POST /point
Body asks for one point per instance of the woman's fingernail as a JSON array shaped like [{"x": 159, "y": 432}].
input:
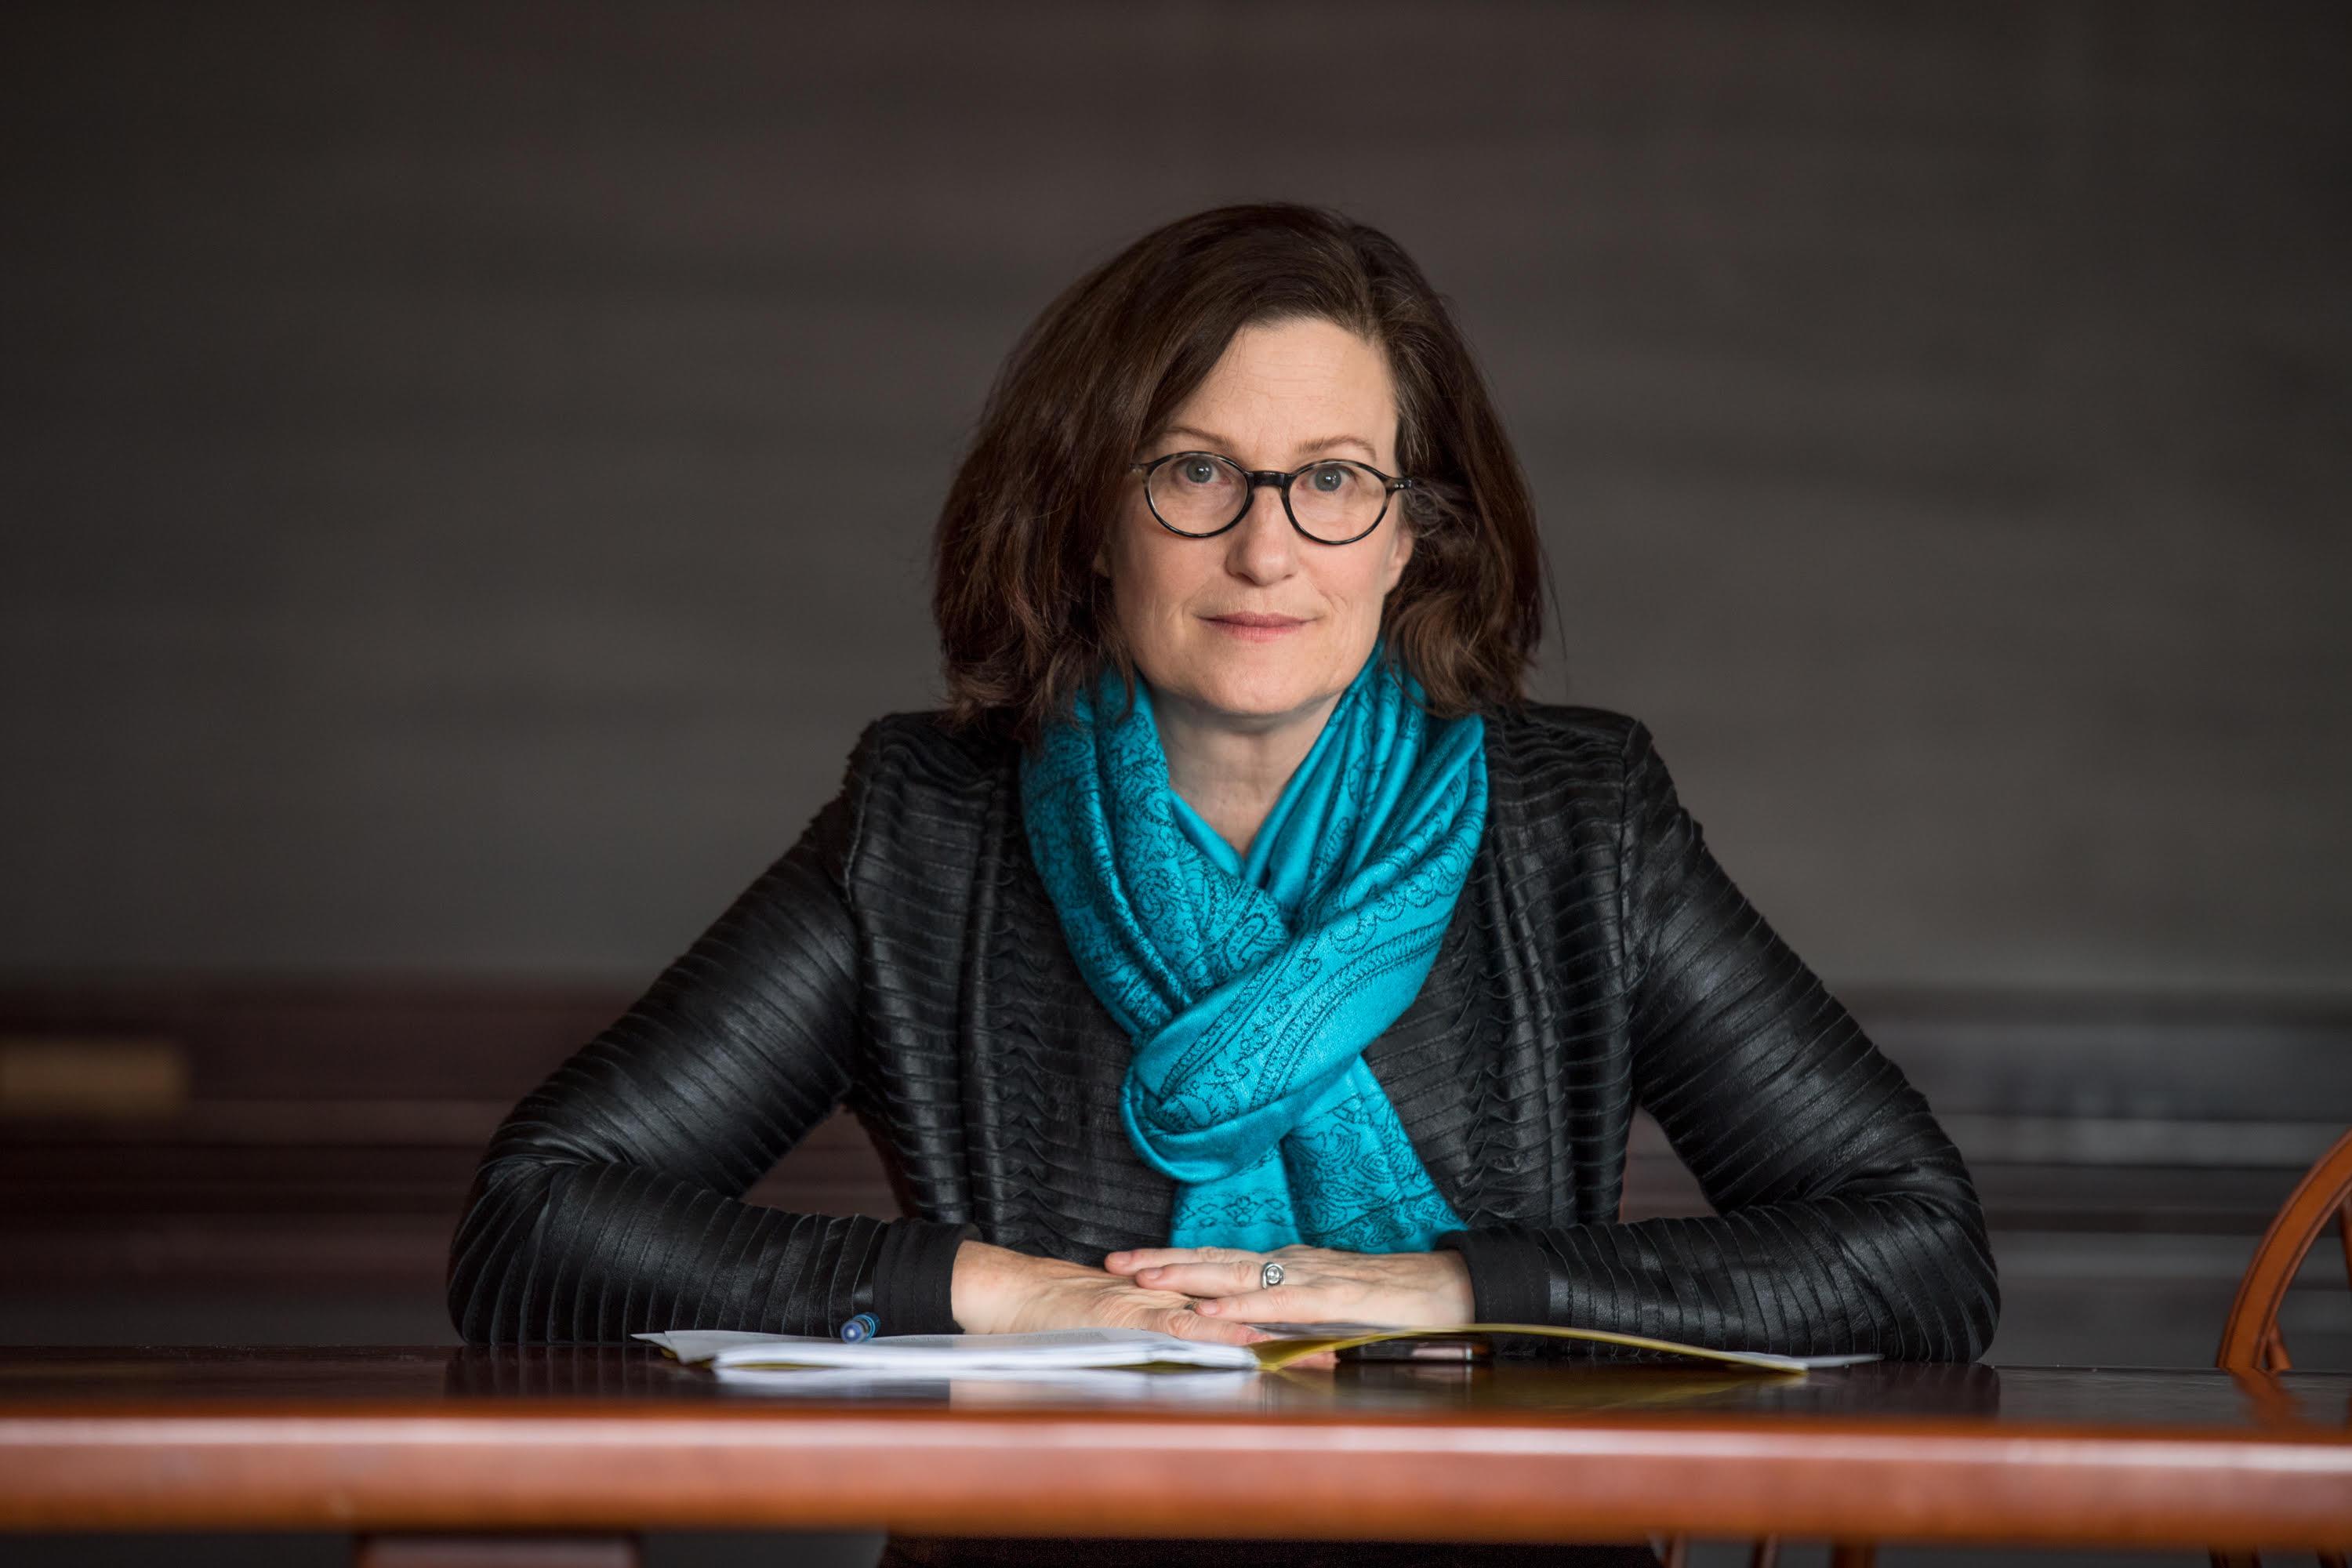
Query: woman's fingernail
[{"x": 1209, "y": 1307}]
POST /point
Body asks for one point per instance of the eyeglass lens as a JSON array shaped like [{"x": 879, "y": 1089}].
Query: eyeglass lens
[{"x": 1199, "y": 493}]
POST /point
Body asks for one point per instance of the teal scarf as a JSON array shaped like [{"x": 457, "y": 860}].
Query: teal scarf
[{"x": 1251, "y": 985}]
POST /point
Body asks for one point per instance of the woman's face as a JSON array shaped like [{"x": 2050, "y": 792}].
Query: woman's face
[{"x": 1282, "y": 395}]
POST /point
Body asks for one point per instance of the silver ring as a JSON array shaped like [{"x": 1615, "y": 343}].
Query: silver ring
[{"x": 1269, "y": 1275}]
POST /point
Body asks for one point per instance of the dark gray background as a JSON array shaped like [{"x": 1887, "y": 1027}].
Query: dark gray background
[
  {"x": 466, "y": 473},
  {"x": 465, "y": 476}
]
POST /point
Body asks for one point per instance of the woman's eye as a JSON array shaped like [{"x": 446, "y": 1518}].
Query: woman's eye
[
  {"x": 1198, "y": 470},
  {"x": 1329, "y": 480}
]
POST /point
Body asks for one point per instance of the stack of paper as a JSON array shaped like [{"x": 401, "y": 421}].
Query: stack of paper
[
  {"x": 955, "y": 1355},
  {"x": 1065, "y": 1350}
]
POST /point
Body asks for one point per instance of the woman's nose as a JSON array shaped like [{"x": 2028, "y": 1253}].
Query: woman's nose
[{"x": 1265, "y": 545}]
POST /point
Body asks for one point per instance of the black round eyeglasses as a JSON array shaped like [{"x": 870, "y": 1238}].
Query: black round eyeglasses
[{"x": 1201, "y": 494}]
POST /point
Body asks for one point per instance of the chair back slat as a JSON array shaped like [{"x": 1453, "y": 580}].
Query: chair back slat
[{"x": 2251, "y": 1339}]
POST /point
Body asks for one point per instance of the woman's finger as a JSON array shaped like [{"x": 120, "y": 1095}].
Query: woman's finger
[
  {"x": 1139, "y": 1259},
  {"x": 1142, "y": 1258},
  {"x": 1188, "y": 1325},
  {"x": 1201, "y": 1279},
  {"x": 1282, "y": 1304}
]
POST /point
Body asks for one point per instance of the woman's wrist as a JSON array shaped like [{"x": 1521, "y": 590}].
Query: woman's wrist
[
  {"x": 991, "y": 1284},
  {"x": 1460, "y": 1299},
  {"x": 974, "y": 1289}
]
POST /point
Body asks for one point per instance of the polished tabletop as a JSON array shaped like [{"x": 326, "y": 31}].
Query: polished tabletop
[{"x": 623, "y": 1437}]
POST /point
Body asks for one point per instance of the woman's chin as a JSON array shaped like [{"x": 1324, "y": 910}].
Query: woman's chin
[
  {"x": 1255, "y": 682},
  {"x": 1258, "y": 699}
]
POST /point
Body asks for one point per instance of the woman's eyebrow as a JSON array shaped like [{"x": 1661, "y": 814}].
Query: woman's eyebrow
[{"x": 1322, "y": 444}]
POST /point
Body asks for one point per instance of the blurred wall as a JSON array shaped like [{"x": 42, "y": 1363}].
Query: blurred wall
[{"x": 466, "y": 472}]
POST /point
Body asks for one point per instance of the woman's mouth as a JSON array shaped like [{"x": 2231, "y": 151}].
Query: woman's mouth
[{"x": 1251, "y": 625}]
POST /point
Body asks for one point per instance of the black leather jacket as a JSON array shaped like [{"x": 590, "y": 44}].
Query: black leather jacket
[{"x": 904, "y": 958}]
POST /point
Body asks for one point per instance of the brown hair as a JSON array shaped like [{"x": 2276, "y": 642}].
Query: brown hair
[{"x": 1025, "y": 620}]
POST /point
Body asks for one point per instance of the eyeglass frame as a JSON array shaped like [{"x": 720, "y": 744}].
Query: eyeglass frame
[{"x": 1282, "y": 482}]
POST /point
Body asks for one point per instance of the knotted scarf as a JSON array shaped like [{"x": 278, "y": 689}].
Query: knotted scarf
[{"x": 1250, "y": 985}]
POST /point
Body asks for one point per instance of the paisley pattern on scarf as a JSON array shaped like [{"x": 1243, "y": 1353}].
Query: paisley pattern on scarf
[{"x": 1251, "y": 985}]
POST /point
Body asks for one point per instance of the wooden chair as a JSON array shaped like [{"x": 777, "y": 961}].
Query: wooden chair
[{"x": 2251, "y": 1339}]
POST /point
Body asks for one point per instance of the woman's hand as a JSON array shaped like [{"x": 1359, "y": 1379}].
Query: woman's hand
[
  {"x": 996, "y": 1290},
  {"x": 1409, "y": 1289}
]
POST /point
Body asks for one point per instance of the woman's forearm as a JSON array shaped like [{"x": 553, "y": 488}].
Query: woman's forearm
[
  {"x": 572, "y": 1252},
  {"x": 1896, "y": 1275}
]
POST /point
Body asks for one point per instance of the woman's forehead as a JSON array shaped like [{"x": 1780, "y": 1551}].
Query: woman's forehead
[
  {"x": 1344, "y": 444},
  {"x": 1296, "y": 389}
]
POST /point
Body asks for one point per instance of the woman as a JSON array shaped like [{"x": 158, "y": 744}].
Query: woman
[{"x": 1239, "y": 910}]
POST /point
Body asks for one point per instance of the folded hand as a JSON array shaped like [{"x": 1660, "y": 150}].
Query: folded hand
[
  {"x": 996, "y": 1290},
  {"x": 1409, "y": 1289}
]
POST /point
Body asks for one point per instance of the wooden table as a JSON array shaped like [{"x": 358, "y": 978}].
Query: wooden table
[{"x": 397, "y": 1445}]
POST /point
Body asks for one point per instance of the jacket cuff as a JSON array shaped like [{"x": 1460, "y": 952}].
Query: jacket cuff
[
  {"x": 914, "y": 1275},
  {"x": 1509, "y": 1281}
]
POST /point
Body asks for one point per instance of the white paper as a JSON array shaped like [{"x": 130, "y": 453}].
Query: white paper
[
  {"x": 1015, "y": 1355},
  {"x": 999, "y": 1385},
  {"x": 953, "y": 1356}
]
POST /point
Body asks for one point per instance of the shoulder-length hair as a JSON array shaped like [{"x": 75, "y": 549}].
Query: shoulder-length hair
[{"x": 1025, "y": 620}]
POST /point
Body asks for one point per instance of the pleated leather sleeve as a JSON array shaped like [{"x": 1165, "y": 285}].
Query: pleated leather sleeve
[
  {"x": 1845, "y": 1220},
  {"x": 609, "y": 1201}
]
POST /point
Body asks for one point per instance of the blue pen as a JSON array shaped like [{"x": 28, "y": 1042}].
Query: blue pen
[{"x": 864, "y": 1326}]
